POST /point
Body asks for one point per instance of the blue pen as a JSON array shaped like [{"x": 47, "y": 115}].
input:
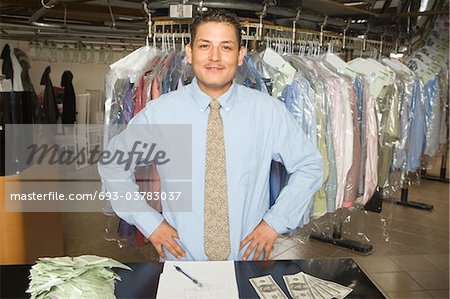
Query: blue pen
[{"x": 188, "y": 276}]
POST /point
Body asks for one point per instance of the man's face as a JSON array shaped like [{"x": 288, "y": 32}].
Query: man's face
[{"x": 215, "y": 55}]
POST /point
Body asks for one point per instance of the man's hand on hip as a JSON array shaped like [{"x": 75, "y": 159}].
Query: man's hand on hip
[
  {"x": 164, "y": 236},
  {"x": 261, "y": 238}
]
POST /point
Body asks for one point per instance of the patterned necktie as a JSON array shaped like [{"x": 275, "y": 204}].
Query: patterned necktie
[{"x": 217, "y": 232}]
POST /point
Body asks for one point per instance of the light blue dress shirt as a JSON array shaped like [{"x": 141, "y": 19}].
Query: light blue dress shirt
[
  {"x": 257, "y": 129},
  {"x": 417, "y": 128}
]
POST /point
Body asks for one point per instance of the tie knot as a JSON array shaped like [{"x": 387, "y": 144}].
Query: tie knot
[{"x": 215, "y": 105}]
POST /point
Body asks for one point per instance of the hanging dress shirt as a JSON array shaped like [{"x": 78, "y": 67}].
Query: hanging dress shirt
[
  {"x": 417, "y": 128},
  {"x": 432, "y": 115}
]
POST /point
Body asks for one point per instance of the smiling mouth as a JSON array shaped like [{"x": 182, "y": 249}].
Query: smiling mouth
[{"x": 214, "y": 68}]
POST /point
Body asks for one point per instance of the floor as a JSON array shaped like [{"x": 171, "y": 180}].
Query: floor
[{"x": 410, "y": 257}]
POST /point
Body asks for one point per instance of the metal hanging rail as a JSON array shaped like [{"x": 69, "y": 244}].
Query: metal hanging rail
[{"x": 181, "y": 28}]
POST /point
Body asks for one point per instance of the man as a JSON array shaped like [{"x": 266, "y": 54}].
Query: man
[{"x": 252, "y": 129}]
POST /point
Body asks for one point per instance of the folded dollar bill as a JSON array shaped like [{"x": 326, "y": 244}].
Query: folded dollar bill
[
  {"x": 305, "y": 286},
  {"x": 86, "y": 276},
  {"x": 267, "y": 288}
]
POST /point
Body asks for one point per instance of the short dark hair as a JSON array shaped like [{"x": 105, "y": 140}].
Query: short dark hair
[{"x": 216, "y": 15}]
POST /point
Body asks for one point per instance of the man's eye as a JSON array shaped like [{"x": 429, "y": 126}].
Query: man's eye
[
  {"x": 227, "y": 48},
  {"x": 203, "y": 46}
]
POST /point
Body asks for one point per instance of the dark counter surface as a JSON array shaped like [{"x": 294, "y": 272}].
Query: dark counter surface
[{"x": 142, "y": 282}]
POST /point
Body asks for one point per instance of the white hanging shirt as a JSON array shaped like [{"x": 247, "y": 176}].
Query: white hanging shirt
[{"x": 17, "y": 70}]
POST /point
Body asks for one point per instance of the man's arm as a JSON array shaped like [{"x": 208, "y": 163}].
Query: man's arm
[
  {"x": 119, "y": 181},
  {"x": 304, "y": 164}
]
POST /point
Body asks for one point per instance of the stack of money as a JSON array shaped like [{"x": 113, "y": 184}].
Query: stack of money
[
  {"x": 86, "y": 276},
  {"x": 302, "y": 285}
]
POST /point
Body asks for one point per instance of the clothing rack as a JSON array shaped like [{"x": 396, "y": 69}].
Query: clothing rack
[
  {"x": 442, "y": 175},
  {"x": 373, "y": 205},
  {"x": 409, "y": 203},
  {"x": 255, "y": 33}
]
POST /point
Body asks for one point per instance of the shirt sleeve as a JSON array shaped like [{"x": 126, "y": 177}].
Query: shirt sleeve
[
  {"x": 303, "y": 162},
  {"x": 117, "y": 173}
]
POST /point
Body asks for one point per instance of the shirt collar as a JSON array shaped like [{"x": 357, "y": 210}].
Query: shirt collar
[{"x": 202, "y": 99}]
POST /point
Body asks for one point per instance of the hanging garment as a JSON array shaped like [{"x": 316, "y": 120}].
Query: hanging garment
[
  {"x": 125, "y": 70},
  {"x": 298, "y": 98},
  {"x": 342, "y": 129},
  {"x": 128, "y": 104},
  {"x": 361, "y": 103},
  {"x": 432, "y": 116},
  {"x": 50, "y": 108},
  {"x": 11, "y": 67},
  {"x": 272, "y": 78},
  {"x": 178, "y": 68},
  {"x": 282, "y": 67},
  {"x": 114, "y": 112},
  {"x": 25, "y": 66},
  {"x": 388, "y": 108},
  {"x": 17, "y": 70},
  {"x": 371, "y": 161},
  {"x": 352, "y": 183},
  {"x": 27, "y": 85},
  {"x": 142, "y": 92},
  {"x": 444, "y": 88},
  {"x": 69, "y": 100},
  {"x": 7, "y": 67},
  {"x": 320, "y": 198},
  {"x": 249, "y": 76},
  {"x": 406, "y": 81},
  {"x": 325, "y": 198},
  {"x": 331, "y": 183},
  {"x": 417, "y": 129}
]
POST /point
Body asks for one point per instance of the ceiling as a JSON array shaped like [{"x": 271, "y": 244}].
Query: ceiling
[{"x": 125, "y": 20}]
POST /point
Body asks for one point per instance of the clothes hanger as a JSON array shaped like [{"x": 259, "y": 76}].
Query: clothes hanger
[{"x": 174, "y": 42}]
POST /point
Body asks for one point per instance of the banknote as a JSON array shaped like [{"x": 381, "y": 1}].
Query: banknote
[
  {"x": 305, "y": 286},
  {"x": 267, "y": 288},
  {"x": 339, "y": 291},
  {"x": 324, "y": 290},
  {"x": 317, "y": 292},
  {"x": 298, "y": 286}
]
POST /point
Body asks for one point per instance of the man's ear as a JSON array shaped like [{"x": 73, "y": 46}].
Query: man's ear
[
  {"x": 242, "y": 52},
  {"x": 188, "y": 50}
]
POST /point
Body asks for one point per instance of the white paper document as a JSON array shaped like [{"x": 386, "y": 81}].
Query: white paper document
[{"x": 214, "y": 280}]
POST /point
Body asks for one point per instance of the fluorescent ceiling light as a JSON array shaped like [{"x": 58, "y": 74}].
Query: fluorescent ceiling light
[
  {"x": 126, "y": 18},
  {"x": 396, "y": 55},
  {"x": 423, "y": 5},
  {"x": 354, "y": 3}
]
